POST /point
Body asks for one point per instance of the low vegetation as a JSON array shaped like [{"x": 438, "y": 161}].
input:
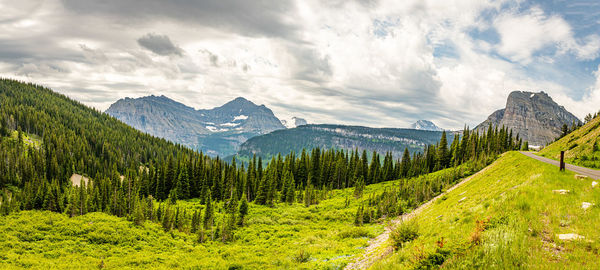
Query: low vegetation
[
  {"x": 507, "y": 217},
  {"x": 582, "y": 146}
]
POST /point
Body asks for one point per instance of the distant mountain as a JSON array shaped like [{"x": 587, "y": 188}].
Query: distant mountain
[
  {"x": 326, "y": 137},
  {"x": 425, "y": 125},
  {"x": 217, "y": 131},
  {"x": 534, "y": 116},
  {"x": 293, "y": 122}
]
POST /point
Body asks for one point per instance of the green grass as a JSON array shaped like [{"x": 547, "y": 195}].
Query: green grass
[
  {"x": 321, "y": 236},
  {"x": 582, "y": 146},
  {"x": 522, "y": 217},
  {"x": 273, "y": 238}
]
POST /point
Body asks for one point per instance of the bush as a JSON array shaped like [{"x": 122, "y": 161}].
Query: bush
[
  {"x": 403, "y": 233},
  {"x": 301, "y": 256},
  {"x": 354, "y": 233},
  {"x": 434, "y": 259}
]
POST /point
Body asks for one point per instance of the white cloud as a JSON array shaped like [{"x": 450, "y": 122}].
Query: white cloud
[{"x": 523, "y": 34}]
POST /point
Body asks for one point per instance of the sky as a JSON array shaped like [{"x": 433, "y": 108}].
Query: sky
[{"x": 376, "y": 63}]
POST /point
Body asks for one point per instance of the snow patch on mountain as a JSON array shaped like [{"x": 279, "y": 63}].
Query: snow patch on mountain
[
  {"x": 240, "y": 117},
  {"x": 230, "y": 124},
  {"x": 293, "y": 122},
  {"x": 425, "y": 125}
]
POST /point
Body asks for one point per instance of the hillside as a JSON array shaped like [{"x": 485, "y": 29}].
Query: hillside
[
  {"x": 507, "y": 218},
  {"x": 308, "y": 137},
  {"x": 216, "y": 132},
  {"x": 582, "y": 146},
  {"x": 534, "y": 116}
]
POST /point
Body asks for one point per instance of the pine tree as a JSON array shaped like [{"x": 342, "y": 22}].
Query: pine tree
[
  {"x": 183, "y": 185},
  {"x": 405, "y": 164},
  {"x": 263, "y": 188},
  {"x": 138, "y": 216},
  {"x": 207, "y": 221},
  {"x": 291, "y": 189},
  {"x": 442, "y": 153},
  {"x": 243, "y": 210},
  {"x": 359, "y": 187},
  {"x": 3, "y": 128}
]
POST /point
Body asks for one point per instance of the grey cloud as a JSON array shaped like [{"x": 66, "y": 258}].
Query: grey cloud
[
  {"x": 93, "y": 55},
  {"x": 159, "y": 44},
  {"x": 310, "y": 66},
  {"x": 248, "y": 18}
]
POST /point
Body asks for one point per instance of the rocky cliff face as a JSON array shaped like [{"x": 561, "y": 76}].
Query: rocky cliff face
[
  {"x": 534, "y": 116},
  {"x": 217, "y": 131}
]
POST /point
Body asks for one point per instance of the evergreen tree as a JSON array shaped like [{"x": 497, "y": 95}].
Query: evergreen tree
[
  {"x": 183, "y": 185},
  {"x": 243, "y": 210},
  {"x": 208, "y": 220},
  {"x": 405, "y": 164},
  {"x": 442, "y": 153}
]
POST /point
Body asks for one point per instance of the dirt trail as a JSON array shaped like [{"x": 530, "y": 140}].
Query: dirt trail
[{"x": 378, "y": 248}]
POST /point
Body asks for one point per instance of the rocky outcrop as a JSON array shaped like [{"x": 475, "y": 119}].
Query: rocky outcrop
[{"x": 534, "y": 116}]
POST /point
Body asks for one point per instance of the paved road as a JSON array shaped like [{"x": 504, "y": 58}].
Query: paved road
[{"x": 595, "y": 174}]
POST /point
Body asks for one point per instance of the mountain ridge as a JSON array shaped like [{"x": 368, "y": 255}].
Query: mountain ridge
[{"x": 328, "y": 136}]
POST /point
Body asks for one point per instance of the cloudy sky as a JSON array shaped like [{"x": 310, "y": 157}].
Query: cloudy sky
[{"x": 367, "y": 62}]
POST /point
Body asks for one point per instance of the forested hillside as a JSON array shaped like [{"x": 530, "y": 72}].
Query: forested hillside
[{"x": 383, "y": 140}]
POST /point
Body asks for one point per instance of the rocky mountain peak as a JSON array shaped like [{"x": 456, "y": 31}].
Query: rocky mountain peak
[
  {"x": 534, "y": 116},
  {"x": 425, "y": 125}
]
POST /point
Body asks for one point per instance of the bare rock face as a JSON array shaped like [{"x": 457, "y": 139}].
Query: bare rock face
[{"x": 534, "y": 116}]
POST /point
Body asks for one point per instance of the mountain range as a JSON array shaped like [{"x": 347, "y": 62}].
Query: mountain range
[
  {"x": 217, "y": 131},
  {"x": 534, "y": 116},
  {"x": 243, "y": 128}
]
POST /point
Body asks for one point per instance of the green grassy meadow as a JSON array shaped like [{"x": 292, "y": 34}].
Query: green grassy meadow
[{"x": 507, "y": 217}]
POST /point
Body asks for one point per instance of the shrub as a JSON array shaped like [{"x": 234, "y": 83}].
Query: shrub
[
  {"x": 434, "y": 259},
  {"x": 403, "y": 233},
  {"x": 480, "y": 226},
  {"x": 301, "y": 256},
  {"x": 354, "y": 233}
]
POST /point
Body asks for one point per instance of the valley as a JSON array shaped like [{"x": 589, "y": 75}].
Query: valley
[{"x": 300, "y": 134}]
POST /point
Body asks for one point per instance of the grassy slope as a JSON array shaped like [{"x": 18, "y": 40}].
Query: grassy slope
[
  {"x": 516, "y": 194},
  {"x": 578, "y": 146},
  {"x": 272, "y": 239}
]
